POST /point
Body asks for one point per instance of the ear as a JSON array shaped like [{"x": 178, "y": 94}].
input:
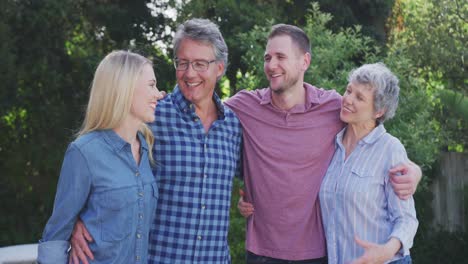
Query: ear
[
  {"x": 380, "y": 113},
  {"x": 306, "y": 61},
  {"x": 219, "y": 70}
]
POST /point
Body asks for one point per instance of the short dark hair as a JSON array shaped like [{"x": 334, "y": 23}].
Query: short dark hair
[{"x": 298, "y": 36}]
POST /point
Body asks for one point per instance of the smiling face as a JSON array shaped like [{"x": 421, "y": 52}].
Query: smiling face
[
  {"x": 284, "y": 65},
  {"x": 358, "y": 105},
  {"x": 198, "y": 87},
  {"x": 145, "y": 96}
]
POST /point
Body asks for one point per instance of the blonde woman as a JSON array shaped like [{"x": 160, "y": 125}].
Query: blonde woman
[{"x": 106, "y": 178}]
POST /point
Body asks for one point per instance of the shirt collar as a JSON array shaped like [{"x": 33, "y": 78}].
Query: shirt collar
[
  {"x": 119, "y": 143},
  {"x": 374, "y": 135},
  {"x": 186, "y": 106},
  {"x": 312, "y": 98},
  {"x": 371, "y": 138}
]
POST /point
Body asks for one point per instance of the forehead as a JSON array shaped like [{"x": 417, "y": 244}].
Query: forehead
[
  {"x": 282, "y": 44},
  {"x": 195, "y": 50},
  {"x": 147, "y": 72},
  {"x": 364, "y": 88}
]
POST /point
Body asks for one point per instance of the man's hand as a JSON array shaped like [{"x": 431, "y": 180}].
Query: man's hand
[
  {"x": 79, "y": 244},
  {"x": 376, "y": 253},
  {"x": 246, "y": 209},
  {"x": 405, "y": 179}
]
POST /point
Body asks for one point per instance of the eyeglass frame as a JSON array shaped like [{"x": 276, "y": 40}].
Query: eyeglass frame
[{"x": 191, "y": 63}]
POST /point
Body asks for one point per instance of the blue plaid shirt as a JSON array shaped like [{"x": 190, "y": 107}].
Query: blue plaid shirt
[{"x": 194, "y": 173}]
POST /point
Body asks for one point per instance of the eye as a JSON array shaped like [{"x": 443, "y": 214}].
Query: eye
[
  {"x": 182, "y": 64},
  {"x": 153, "y": 86},
  {"x": 199, "y": 64},
  {"x": 267, "y": 58}
]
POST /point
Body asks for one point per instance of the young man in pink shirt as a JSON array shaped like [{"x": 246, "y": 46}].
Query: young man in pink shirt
[{"x": 289, "y": 132}]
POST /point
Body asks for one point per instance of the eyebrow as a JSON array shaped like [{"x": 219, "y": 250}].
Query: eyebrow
[
  {"x": 274, "y": 54},
  {"x": 363, "y": 95},
  {"x": 185, "y": 60}
]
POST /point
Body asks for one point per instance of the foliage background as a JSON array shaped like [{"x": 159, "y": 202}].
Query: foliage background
[{"x": 49, "y": 50}]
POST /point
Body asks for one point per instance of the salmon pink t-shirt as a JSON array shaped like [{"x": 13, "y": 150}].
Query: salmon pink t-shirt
[{"x": 285, "y": 156}]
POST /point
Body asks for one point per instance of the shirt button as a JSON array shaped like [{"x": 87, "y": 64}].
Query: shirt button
[
  {"x": 137, "y": 174},
  {"x": 199, "y": 237},
  {"x": 140, "y": 215},
  {"x": 203, "y": 207},
  {"x": 195, "y": 119},
  {"x": 138, "y": 235},
  {"x": 205, "y": 176},
  {"x": 137, "y": 257},
  {"x": 140, "y": 194}
]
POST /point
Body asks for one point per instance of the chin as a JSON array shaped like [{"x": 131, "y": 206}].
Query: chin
[
  {"x": 277, "y": 89},
  {"x": 149, "y": 119},
  {"x": 344, "y": 118}
]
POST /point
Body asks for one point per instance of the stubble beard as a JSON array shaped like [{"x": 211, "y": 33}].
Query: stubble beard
[{"x": 285, "y": 86}]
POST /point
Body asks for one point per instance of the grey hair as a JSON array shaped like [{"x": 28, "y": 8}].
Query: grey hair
[
  {"x": 202, "y": 30},
  {"x": 384, "y": 84}
]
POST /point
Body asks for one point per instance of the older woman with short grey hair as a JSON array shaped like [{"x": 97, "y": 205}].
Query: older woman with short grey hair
[
  {"x": 364, "y": 220},
  {"x": 385, "y": 85}
]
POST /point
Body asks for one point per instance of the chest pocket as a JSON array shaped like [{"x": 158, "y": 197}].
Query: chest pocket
[
  {"x": 116, "y": 211},
  {"x": 364, "y": 181}
]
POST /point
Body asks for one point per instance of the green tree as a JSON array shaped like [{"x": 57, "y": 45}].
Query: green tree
[
  {"x": 334, "y": 54},
  {"x": 241, "y": 16},
  {"x": 432, "y": 34},
  {"x": 49, "y": 51}
]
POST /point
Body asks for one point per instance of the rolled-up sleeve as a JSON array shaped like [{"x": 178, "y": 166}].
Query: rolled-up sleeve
[
  {"x": 51, "y": 252},
  {"x": 402, "y": 213},
  {"x": 72, "y": 193}
]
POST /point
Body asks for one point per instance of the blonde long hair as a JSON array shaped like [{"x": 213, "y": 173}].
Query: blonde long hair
[{"x": 111, "y": 94}]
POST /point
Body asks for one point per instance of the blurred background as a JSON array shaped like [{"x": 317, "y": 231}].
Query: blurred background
[{"x": 49, "y": 50}]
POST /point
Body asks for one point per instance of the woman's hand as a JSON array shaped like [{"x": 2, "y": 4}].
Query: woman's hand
[
  {"x": 79, "y": 244},
  {"x": 377, "y": 253},
  {"x": 246, "y": 209}
]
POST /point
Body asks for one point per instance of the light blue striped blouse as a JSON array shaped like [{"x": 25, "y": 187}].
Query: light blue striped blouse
[{"x": 357, "y": 199}]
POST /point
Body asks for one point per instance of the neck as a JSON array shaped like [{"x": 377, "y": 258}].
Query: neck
[
  {"x": 207, "y": 113},
  {"x": 206, "y": 108},
  {"x": 287, "y": 99},
  {"x": 355, "y": 132},
  {"x": 128, "y": 130}
]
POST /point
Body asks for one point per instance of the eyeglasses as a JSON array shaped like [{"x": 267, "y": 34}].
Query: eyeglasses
[{"x": 197, "y": 65}]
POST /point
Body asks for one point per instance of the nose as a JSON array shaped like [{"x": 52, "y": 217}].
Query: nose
[
  {"x": 158, "y": 94},
  {"x": 347, "y": 99}
]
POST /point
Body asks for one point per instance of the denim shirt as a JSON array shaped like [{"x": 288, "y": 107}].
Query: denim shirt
[{"x": 101, "y": 183}]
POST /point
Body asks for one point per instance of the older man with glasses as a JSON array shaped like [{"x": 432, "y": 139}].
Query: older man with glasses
[{"x": 197, "y": 150}]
